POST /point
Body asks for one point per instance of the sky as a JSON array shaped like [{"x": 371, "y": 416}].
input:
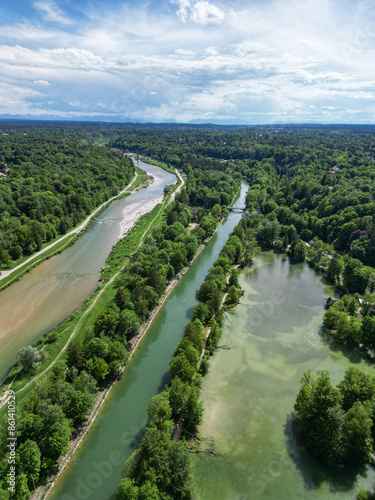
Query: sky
[{"x": 210, "y": 61}]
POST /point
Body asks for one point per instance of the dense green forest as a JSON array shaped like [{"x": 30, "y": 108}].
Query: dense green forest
[
  {"x": 318, "y": 179},
  {"x": 311, "y": 195},
  {"x": 52, "y": 178},
  {"x": 63, "y": 399}
]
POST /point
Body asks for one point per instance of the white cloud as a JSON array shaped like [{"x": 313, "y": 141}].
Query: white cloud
[
  {"x": 15, "y": 99},
  {"x": 51, "y": 12},
  {"x": 199, "y": 11},
  {"x": 42, "y": 82},
  {"x": 183, "y": 52},
  {"x": 280, "y": 58}
]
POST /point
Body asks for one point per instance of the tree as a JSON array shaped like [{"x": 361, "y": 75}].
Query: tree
[
  {"x": 127, "y": 490},
  {"x": 187, "y": 348},
  {"x": 29, "y": 461},
  {"x": 216, "y": 210},
  {"x": 368, "y": 331},
  {"x": 149, "y": 491},
  {"x": 193, "y": 410},
  {"x": 356, "y": 276},
  {"x": 356, "y": 386},
  {"x": 30, "y": 358},
  {"x": 128, "y": 325},
  {"x": 343, "y": 326},
  {"x": 233, "y": 296},
  {"x": 178, "y": 259},
  {"x": 365, "y": 495},
  {"x": 178, "y": 394},
  {"x": 107, "y": 321},
  {"x": 159, "y": 410},
  {"x": 203, "y": 294},
  {"x": 368, "y": 304},
  {"x": 331, "y": 318},
  {"x": 208, "y": 224},
  {"x": 194, "y": 332},
  {"x": 181, "y": 368},
  {"x": 252, "y": 250},
  {"x": 57, "y": 440},
  {"x": 85, "y": 383},
  {"x": 201, "y": 313},
  {"x": 22, "y": 490},
  {"x": 96, "y": 348},
  {"x": 358, "y": 428},
  {"x": 122, "y": 298},
  {"x": 78, "y": 406},
  {"x": 335, "y": 268},
  {"x": 233, "y": 280},
  {"x": 157, "y": 281},
  {"x": 75, "y": 356},
  {"x": 98, "y": 368},
  {"x": 299, "y": 252},
  {"x": 117, "y": 352},
  {"x": 319, "y": 413}
]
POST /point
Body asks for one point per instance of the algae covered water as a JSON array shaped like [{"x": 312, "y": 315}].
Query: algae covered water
[{"x": 274, "y": 336}]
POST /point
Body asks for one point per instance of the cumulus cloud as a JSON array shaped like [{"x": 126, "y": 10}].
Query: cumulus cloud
[
  {"x": 199, "y": 11},
  {"x": 51, "y": 12}
]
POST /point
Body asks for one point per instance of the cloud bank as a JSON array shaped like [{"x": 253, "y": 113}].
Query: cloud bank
[{"x": 274, "y": 61}]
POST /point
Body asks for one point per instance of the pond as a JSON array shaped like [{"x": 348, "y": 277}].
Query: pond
[{"x": 274, "y": 335}]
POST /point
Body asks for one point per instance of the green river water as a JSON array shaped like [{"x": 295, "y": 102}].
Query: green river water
[
  {"x": 94, "y": 473},
  {"x": 274, "y": 336}
]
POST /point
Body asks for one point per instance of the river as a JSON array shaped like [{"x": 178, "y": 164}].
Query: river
[
  {"x": 94, "y": 472},
  {"x": 274, "y": 335},
  {"x": 53, "y": 290}
]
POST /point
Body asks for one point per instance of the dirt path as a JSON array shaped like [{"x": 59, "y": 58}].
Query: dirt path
[
  {"x": 37, "y": 377},
  {"x": 76, "y": 230},
  {"x": 139, "y": 337}
]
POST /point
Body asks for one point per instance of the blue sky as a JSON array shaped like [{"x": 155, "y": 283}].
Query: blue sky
[{"x": 234, "y": 61}]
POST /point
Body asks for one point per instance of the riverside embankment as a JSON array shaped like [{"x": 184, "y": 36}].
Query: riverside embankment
[
  {"x": 53, "y": 290},
  {"x": 94, "y": 472}
]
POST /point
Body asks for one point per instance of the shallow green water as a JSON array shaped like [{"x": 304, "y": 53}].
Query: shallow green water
[
  {"x": 95, "y": 471},
  {"x": 53, "y": 290},
  {"x": 275, "y": 336}
]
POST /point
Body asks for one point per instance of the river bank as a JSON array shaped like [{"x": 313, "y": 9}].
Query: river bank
[
  {"x": 42, "y": 492},
  {"x": 51, "y": 292},
  {"x": 135, "y": 342},
  {"x": 6, "y": 273},
  {"x": 122, "y": 416},
  {"x": 61, "y": 244}
]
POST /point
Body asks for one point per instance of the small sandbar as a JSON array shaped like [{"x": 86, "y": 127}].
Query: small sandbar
[{"x": 135, "y": 210}]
